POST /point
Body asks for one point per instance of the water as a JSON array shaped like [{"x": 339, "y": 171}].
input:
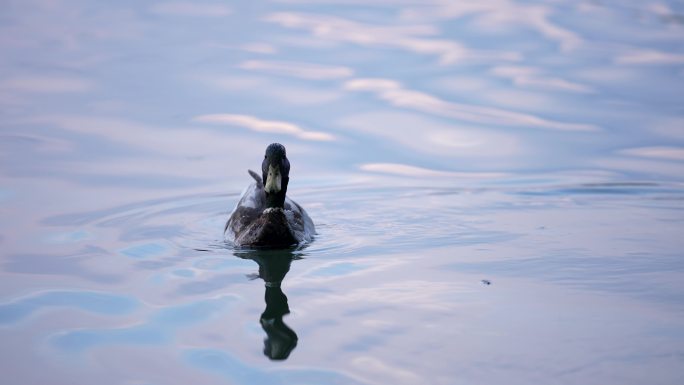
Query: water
[{"x": 497, "y": 188}]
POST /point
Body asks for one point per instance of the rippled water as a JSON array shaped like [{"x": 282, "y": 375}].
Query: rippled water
[{"x": 497, "y": 187}]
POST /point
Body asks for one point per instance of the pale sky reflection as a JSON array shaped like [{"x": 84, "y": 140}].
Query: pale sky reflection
[
  {"x": 261, "y": 125},
  {"x": 498, "y": 15},
  {"x": 413, "y": 38},
  {"x": 636, "y": 56},
  {"x": 671, "y": 153},
  {"x": 193, "y": 9},
  {"x": 413, "y": 171},
  {"x": 394, "y": 93},
  {"x": 530, "y": 77},
  {"x": 298, "y": 69},
  {"x": 436, "y": 138},
  {"x": 492, "y": 65},
  {"x": 46, "y": 85},
  {"x": 273, "y": 90}
]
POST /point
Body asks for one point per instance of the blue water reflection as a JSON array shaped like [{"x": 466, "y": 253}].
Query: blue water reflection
[
  {"x": 102, "y": 303},
  {"x": 238, "y": 372},
  {"x": 159, "y": 329}
]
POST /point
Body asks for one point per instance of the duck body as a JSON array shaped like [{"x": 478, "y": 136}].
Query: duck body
[{"x": 264, "y": 216}]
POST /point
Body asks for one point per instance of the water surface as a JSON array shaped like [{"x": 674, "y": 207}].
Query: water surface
[{"x": 497, "y": 187}]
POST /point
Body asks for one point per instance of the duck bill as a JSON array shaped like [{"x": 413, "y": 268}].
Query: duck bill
[{"x": 273, "y": 180}]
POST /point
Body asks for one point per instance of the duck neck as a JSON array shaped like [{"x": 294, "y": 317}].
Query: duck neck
[{"x": 277, "y": 199}]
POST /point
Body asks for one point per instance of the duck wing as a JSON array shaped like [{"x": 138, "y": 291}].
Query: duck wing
[
  {"x": 249, "y": 206},
  {"x": 300, "y": 223},
  {"x": 257, "y": 178}
]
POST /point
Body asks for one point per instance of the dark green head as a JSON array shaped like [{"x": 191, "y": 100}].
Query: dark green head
[{"x": 275, "y": 172}]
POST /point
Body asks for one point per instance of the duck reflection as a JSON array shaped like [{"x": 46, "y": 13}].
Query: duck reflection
[{"x": 273, "y": 266}]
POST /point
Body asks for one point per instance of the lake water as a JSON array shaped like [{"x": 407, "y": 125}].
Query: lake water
[{"x": 497, "y": 186}]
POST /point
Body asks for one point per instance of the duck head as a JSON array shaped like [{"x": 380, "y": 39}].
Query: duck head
[{"x": 275, "y": 171}]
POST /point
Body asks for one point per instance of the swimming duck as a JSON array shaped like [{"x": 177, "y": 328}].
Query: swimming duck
[{"x": 264, "y": 215}]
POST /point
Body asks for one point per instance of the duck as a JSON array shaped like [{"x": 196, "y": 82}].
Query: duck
[{"x": 265, "y": 217}]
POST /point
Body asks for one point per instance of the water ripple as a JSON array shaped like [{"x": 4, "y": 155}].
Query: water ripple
[{"x": 95, "y": 302}]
